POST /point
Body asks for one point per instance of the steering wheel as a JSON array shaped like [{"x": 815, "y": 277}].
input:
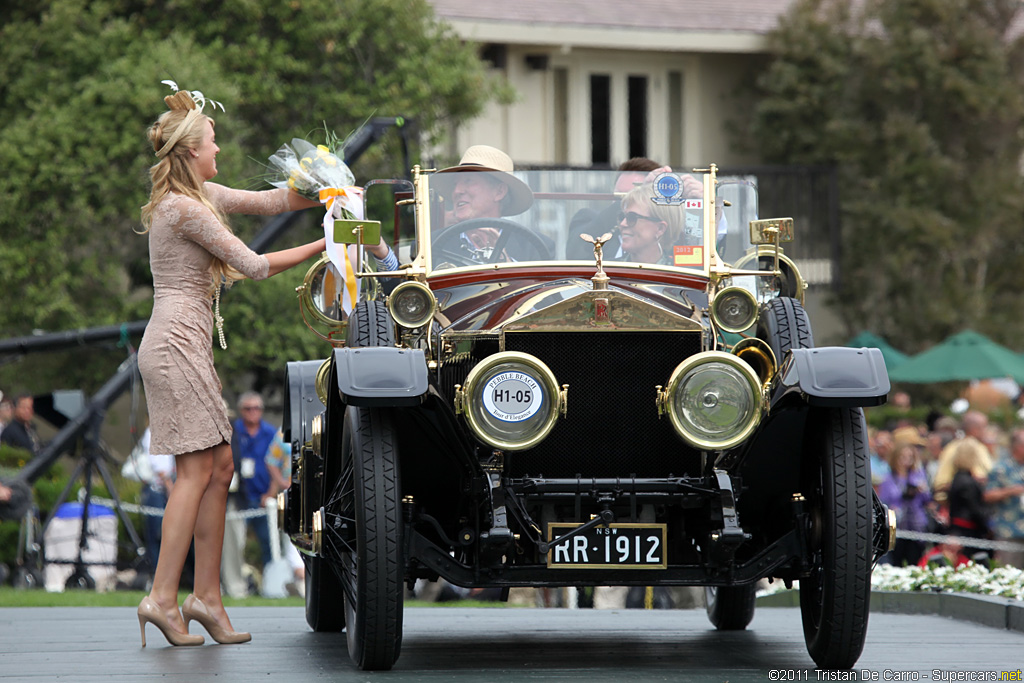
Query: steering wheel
[{"x": 448, "y": 242}]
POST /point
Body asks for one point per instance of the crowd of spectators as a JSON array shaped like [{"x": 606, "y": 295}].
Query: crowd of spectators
[
  {"x": 263, "y": 469},
  {"x": 961, "y": 478}
]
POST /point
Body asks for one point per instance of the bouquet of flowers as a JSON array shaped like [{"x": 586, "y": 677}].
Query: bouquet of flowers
[
  {"x": 318, "y": 172},
  {"x": 314, "y": 171}
]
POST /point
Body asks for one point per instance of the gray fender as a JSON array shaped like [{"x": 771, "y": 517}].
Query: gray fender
[
  {"x": 374, "y": 376},
  {"x": 835, "y": 376},
  {"x": 301, "y": 404}
]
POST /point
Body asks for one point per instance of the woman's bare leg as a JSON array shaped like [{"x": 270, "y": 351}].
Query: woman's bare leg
[
  {"x": 210, "y": 534},
  {"x": 194, "y": 472}
]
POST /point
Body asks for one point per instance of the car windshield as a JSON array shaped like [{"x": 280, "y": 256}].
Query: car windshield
[{"x": 489, "y": 219}]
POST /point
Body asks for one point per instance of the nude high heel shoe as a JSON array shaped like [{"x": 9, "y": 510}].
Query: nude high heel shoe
[
  {"x": 193, "y": 608},
  {"x": 151, "y": 612}
]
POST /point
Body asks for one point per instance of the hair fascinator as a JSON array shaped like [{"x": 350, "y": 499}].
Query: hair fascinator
[
  {"x": 188, "y": 99},
  {"x": 191, "y": 101}
]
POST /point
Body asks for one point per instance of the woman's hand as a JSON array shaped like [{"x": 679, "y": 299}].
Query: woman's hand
[{"x": 297, "y": 202}]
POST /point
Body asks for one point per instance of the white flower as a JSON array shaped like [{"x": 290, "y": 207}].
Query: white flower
[{"x": 1006, "y": 582}]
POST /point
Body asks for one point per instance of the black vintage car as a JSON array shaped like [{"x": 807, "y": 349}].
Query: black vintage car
[{"x": 548, "y": 410}]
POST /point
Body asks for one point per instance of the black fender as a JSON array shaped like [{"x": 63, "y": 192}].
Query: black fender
[
  {"x": 301, "y": 403},
  {"x": 833, "y": 376},
  {"x": 381, "y": 376}
]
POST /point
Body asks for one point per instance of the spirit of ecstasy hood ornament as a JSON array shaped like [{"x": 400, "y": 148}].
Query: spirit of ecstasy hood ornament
[{"x": 600, "y": 279}]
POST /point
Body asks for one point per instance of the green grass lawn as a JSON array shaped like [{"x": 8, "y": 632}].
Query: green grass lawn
[{"x": 9, "y": 597}]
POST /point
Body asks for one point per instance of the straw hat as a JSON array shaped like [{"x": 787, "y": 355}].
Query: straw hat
[
  {"x": 485, "y": 158},
  {"x": 908, "y": 435}
]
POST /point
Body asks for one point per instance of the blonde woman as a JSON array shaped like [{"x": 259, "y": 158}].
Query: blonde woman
[
  {"x": 647, "y": 230},
  {"x": 968, "y": 512},
  {"x": 192, "y": 251}
]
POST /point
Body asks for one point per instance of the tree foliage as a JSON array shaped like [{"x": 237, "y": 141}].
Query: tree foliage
[
  {"x": 79, "y": 85},
  {"x": 919, "y": 104}
]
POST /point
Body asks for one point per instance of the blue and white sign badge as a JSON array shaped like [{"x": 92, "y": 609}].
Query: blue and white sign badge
[
  {"x": 668, "y": 189},
  {"x": 513, "y": 396}
]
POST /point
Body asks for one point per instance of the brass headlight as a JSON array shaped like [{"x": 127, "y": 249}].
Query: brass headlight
[
  {"x": 321, "y": 293},
  {"x": 714, "y": 400},
  {"x": 734, "y": 309},
  {"x": 511, "y": 400},
  {"x": 412, "y": 304}
]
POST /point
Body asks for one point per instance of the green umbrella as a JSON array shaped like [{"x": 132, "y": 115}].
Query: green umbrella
[
  {"x": 871, "y": 340},
  {"x": 964, "y": 356}
]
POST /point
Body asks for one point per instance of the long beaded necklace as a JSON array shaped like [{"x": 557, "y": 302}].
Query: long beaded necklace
[{"x": 217, "y": 319}]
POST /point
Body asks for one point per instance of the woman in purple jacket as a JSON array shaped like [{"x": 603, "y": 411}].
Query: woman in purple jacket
[{"x": 906, "y": 492}]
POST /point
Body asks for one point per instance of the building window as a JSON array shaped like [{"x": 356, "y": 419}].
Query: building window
[
  {"x": 675, "y": 119},
  {"x": 561, "y": 127},
  {"x": 600, "y": 119},
  {"x": 637, "y": 97}
]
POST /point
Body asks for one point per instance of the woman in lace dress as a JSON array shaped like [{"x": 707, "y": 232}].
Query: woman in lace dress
[{"x": 191, "y": 251}]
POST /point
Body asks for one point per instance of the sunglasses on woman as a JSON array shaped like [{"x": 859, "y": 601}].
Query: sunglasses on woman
[{"x": 631, "y": 217}]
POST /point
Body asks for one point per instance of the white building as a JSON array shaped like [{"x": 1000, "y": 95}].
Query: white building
[{"x": 600, "y": 81}]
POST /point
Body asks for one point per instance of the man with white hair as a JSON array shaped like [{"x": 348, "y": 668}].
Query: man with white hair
[
  {"x": 252, "y": 437},
  {"x": 1005, "y": 493},
  {"x": 975, "y": 424},
  {"x": 483, "y": 186}
]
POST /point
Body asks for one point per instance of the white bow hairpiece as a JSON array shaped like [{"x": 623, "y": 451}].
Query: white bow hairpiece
[{"x": 197, "y": 96}]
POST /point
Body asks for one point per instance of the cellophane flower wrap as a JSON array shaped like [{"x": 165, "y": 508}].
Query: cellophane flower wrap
[
  {"x": 309, "y": 169},
  {"x": 318, "y": 172}
]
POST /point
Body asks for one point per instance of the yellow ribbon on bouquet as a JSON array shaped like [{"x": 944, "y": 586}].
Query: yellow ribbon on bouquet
[{"x": 351, "y": 199}]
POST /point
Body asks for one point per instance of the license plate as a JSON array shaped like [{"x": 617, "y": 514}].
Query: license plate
[{"x": 620, "y": 546}]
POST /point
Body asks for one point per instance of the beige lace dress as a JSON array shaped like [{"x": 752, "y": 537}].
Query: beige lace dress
[{"x": 183, "y": 391}]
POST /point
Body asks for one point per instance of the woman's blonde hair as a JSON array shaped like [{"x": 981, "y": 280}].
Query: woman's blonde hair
[
  {"x": 967, "y": 455},
  {"x": 643, "y": 194},
  {"x": 174, "y": 173}
]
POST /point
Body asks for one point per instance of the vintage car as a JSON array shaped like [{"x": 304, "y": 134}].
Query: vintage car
[{"x": 547, "y": 410}]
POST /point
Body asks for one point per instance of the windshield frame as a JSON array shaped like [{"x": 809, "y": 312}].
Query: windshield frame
[{"x": 426, "y": 201}]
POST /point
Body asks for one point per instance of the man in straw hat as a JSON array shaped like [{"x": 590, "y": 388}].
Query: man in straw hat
[{"x": 482, "y": 186}]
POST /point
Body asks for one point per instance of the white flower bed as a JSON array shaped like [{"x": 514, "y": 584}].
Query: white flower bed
[{"x": 1006, "y": 582}]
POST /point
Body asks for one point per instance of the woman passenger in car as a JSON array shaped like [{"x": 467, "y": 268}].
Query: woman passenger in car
[{"x": 648, "y": 230}]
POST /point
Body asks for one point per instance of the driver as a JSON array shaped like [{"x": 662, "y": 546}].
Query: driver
[{"x": 482, "y": 186}]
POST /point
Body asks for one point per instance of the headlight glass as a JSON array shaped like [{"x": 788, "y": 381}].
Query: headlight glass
[
  {"x": 412, "y": 304},
  {"x": 714, "y": 400},
  {"x": 511, "y": 401},
  {"x": 734, "y": 309}
]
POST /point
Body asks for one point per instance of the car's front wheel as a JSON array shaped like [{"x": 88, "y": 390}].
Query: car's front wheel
[
  {"x": 730, "y": 608},
  {"x": 785, "y": 326},
  {"x": 834, "y": 599},
  {"x": 369, "y": 504}
]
